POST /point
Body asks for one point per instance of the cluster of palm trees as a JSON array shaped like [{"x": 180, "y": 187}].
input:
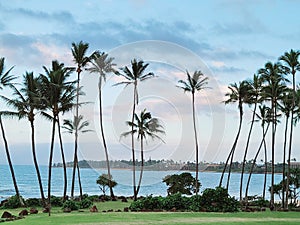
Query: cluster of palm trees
[
  {"x": 54, "y": 93},
  {"x": 272, "y": 97}
]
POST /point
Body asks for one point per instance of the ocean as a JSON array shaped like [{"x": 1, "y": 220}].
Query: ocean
[{"x": 151, "y": 183}]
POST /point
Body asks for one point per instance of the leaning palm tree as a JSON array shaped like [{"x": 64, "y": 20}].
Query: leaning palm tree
[
  {"x": 6, "y": 80},
  {"x": 71, "y": 126},
  {"x": 102, "y": 65},
  {"x": 194, "y": 83},
  {"x": 291, "y": 60},
  {"x": 134, "y": 76},
  {"x": 238, "y": 93},
  {"x": 79, "y": 52},
  {"x": 27, "y": 101},
  {"x": 59, "y": 96},
  {"x": 272, "y": 91},
  {"x": 144, "y": 125},
  {"x": 255, "y": 86},
  {"x": 264, "y": 117}
]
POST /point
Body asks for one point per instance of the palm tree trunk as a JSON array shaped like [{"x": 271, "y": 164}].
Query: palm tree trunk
[
  {"x": 36, "y": 164},
  {"x": 50, "y": 164},
  {"x": 225, "y": 167},
  {"x": 246, "y": 150},
  {"x": 283, "y": 161},
  {"x": 231, "y": 154},
  {"x": 10, "y": 163},
  {"x": 103, "y": 138},
  {"x": 142, "y": 165},
  {"x": 75, "y": 163},
  {"x": 132, "y": 142},
  {"x": 266, "y": 168},
  {"x": 63, "y": 160},
  {"x": 273, "y": 153},
  {"x": 79, "y": 180},
  {"x": 196, "y": 144},
  {"x": 234, "y": 146},
  {"x": 290, "y": 142},
  {"x": 254, "y": 162}
]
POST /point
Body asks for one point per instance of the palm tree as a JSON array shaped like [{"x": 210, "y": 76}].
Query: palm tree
[
  {"x": 238, "y": 93},
  {"x": 102, "y": 65},
  {"x": 59, "y": 96},
  {"x": 264, "y": 117},
  {"x": 5, "y": 80},
  {"x": 144, "y": 125},
  {"x": 71, "y": 126},
  {"x": 194, "y": 83},
  {"x": 286, "y": 107},
  {"x": 291, "y": 60},
  {"x": 133, "y": 76},
  {"x": 273, "y": 76},
  {"x": 79, "y": 52},
  {"x": 255, "y": 86},
  {"x": 27, "y": 102}
]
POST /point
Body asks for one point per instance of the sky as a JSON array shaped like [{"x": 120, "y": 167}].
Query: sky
[{"x": 228, "y": 40}]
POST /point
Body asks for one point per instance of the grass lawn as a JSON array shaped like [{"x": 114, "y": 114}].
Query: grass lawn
[{"x": 83, "y": 218}]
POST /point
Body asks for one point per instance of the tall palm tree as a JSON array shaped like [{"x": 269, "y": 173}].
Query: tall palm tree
[
  {"x": 255, "y": 86},
  {"x": 5, "y": 80},
  {"x": 194, "y": 83},
  {"x": 264, "y": 117},
  {"x": 144, "y": 125},
  {"x": 102, "y": 65},
  {"x": 273, "y": 76},
  {"x": 286, "y": 107},
  {"x": 71, "y": 126},
  {"x": 291, "y": 60},
  {"x": 59, "y": 96},
  {"x": 79, "y": 52},
  {"x": 134, "y": 76},
  {"x": 238, "y": 93},
  {"x": 27, "y": 102}
]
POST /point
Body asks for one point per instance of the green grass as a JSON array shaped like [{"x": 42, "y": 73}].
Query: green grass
[{"x": 115, "y": 218}]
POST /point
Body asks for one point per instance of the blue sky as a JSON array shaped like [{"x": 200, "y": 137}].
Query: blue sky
[{"x": 228, "y": 40}]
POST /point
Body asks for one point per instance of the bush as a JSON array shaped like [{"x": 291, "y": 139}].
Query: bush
[
  {"x": 13, "y": 202},
  {"x": 195, "y": 203},
  {"x": 260, "y": 202},
  {"x": 85, "y": 203},
  {"x": 33, "y": 202},
  {"x": 56, "y": 201},
  {"x": 218, "y": 200},
  {"x": 94, "y": 198},
  {"x": 71, "y": 205},
  {"x": 137, "y": 205},
  {"x": 176, "y": 201}
]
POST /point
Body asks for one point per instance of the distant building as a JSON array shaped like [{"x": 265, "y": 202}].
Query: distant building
[{"x": 295, "y": 165}]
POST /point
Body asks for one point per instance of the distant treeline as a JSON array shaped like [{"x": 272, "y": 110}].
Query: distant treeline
[{"x": 164, "y": 165}]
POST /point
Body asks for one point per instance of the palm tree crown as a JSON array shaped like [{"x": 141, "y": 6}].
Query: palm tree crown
[
  {"x": 145, "y": 125},
  {"x": 5, "y": 77},
  {"x": 194, "y": 83}
]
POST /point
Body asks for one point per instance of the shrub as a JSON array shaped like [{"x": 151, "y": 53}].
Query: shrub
[
  {"x": 13, "y": 202},
  {"x": 260, "y": 202},
  {"x": 93, "y": 198},
  {"x": 218, "y": 200},
  {"x": 71, "y": 205},
  {"x": 176, "y": 201},
  {"x": 136, "y": 205},
  {"x": 195, "y": 203},
  {"x": 85, "y": 203},
  {"x": 56, "y": 201},
  {"x": 33, "y": 202}
]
